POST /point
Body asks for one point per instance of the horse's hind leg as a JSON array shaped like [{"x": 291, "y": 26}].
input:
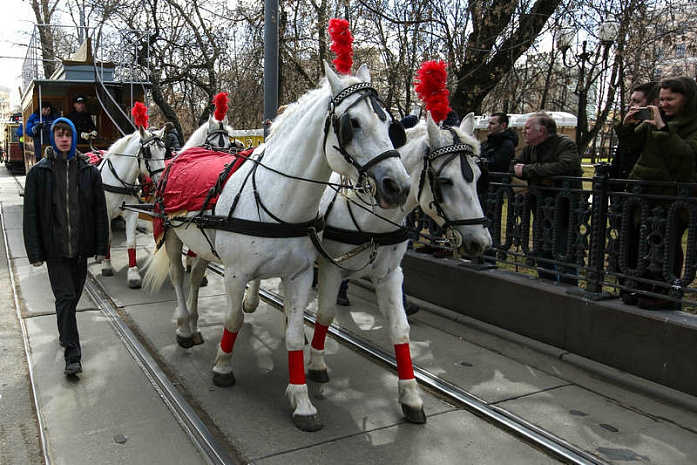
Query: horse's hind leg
[
  {"x": 107, "y": 269},
  {"x": 198, "y": 269},
  {"x": 176, "y": 275},
  {"x": 297, "y": 294},
  {"x": 250, "y": 302},
  {"x": 389, "y": 294},
  {"x": 329, "y": 281},
  {"x": 134, "y": 279}
]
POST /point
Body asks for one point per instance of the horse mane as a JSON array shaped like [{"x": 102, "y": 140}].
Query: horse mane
[{"x": 119, "y": 147}]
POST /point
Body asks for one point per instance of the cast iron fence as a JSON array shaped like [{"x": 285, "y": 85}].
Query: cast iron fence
[{"x": 606, "y": 235}]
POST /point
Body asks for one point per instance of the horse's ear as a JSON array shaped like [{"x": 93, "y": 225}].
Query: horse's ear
[
  {"x": 363, "y": 73},
  {"x": 333, "y": 78},
  {"x": 433, "y": 129},
  {"x": 467, "y": 124},
  {"x": 141, "y": 130}
]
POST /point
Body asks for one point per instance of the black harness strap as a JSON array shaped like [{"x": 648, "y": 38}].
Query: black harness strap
[
  {"x": 348, "y": 236},
  {"x": 256, "y": 228}
]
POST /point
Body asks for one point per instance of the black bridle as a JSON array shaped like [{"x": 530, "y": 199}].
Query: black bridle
[
  {"x": 221, "y": 135},
  {"x": 144, "y": 155},
  {"x": 343, "y": 128},
  {"x": 453, "y": 151}
]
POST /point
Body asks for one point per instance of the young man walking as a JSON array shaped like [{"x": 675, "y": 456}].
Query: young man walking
[{"x": 65, "y": 222}]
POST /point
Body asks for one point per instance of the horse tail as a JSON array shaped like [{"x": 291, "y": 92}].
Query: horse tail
[{"x": 158, "y": 270}]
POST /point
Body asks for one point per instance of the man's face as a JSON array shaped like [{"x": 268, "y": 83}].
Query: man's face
[
  {"x": 637, "y": 99},
  {"x": 533, "y": 133},
  {"x": 79, "y": 106},
  {"x": 495, "y": 126},
  {"x": 63, "y": 139},
  {"x": 46, "y": 111}
]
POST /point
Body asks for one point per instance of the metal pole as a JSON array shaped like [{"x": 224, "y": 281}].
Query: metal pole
[{"x": 270, "y": 62}]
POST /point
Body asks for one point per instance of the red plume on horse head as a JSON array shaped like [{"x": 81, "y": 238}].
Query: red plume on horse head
[
  {"x": 220, "y": 101},
  {"x": 140, "y": 114},
  {"x": 342, "y": 44},
  {"x": 429, "y": 84}
]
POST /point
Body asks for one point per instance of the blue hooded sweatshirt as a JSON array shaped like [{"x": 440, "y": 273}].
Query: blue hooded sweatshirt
[{"x": 73, "y": 150}]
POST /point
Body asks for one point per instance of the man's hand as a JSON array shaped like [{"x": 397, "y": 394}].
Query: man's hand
[
  {"x": 518, "y": 169},
  {"x": 37, "y": 264},
  {"x": 37, "y": 128},
  {"x": 93, "y": 134}
]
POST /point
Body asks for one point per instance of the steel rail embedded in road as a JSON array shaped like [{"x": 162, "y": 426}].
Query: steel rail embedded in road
[{"x": 211, "y": 450}]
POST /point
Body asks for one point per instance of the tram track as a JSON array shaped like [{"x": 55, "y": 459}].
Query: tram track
[{"x": 530, "y": 433}]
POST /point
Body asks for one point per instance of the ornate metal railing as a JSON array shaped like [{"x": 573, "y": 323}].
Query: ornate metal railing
[{"x": 608, "y": 237}]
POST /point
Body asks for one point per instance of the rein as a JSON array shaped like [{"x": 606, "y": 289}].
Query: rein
[{"x": 127, "y": 188}]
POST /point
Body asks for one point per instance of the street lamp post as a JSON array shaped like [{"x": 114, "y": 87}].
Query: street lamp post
[{"x": 607, "y": 32}]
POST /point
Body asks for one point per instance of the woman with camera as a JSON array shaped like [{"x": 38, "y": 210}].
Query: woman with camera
[{"x": 667, "y": 140}]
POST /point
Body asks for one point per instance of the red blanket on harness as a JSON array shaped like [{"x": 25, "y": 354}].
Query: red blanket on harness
[{"x": 188, "y": 178}]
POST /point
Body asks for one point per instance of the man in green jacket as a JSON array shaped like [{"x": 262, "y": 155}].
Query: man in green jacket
[{"x": 547, "y": 154}]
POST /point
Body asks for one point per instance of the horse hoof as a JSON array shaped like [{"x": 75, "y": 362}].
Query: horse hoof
[
  {"x": 133, "y": 284},
  {"x": 197, "y": 338},
  {"x": 247, "y": 308},
  {"x": 223, "y": 379},
  {"x": 186, "y": 342},
  {"x": 318, "y": 376},
  {"x": 107, "y": 272},
  {"x": 308, "y": 423},
  {"x": 204, "y": 281},
  {"x": 414, "y": 415}
]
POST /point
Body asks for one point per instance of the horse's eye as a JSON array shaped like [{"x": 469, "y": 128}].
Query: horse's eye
[
  {"x": 355, "y": 124},
  {"x": 445, "y": 181}
]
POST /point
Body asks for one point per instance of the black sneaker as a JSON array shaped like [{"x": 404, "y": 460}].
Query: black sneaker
[{"x": 72, "y": 368}]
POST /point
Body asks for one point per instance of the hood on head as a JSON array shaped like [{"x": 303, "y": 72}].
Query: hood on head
[{"x": 72, "y": 151}]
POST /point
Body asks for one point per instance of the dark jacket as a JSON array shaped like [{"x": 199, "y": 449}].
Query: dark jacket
[
  {"x": 499, "y": 150},
  {"x": 667, "y": 155},
  {"x": 557, "y": 156},
  {"x": 40, "y": 240},
  {"x": 82, "y": 121},
  {"x": 171, "y": 142}
]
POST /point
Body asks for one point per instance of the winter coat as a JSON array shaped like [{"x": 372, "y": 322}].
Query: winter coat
[
  {"x": 666, "y": 155},
  {"x": 499, "y": 150},
  {"x": 556, "y": 156},
  {"x": 40, "y": 240}
]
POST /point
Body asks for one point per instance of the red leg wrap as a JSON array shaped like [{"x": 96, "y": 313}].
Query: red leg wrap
[
  {"x": 228, "y": 341},
  {"x": 296, "y": 367},
  {"x": 404, "y": 366},
  {"x": 190, "y": 253},
  {"x": 108, "y": 252},
  {"x": 132, "y": 258},
  {"x": 320, "y": 336}
]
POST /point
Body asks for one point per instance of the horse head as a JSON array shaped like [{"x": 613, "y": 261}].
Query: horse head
[
  {"x": 213, "y": 134},
  {"x": 361, "y": 136},
  {"x": 447, "y": 188},
  {"x": 151, "y": 156}
]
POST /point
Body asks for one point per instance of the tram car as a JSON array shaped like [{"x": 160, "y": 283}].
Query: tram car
[
  {"x": 12, "y": 146},
  {"x": 106, "y": 100}
]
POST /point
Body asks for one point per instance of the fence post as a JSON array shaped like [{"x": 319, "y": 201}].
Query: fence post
[{"x": 596, "y": 254}]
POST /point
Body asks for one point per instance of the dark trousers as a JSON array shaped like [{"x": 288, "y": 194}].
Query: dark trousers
[{"x": 67, "y": 278}]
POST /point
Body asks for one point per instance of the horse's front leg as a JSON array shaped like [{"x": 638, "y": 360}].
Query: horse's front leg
[
  {"x": 173, "y": 247},
  {"x": 134, "y": 279},
  {"x": 330, "y": 278},
  {"x": 198, "y": 269},
  {"x": 389, "y": 294},
  {"x": 250, "y": 303},
  {"x": 234, "y": 318},
  {"x": 296, "y": 297}
]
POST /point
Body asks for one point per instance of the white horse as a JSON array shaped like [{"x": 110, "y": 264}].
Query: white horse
[
  {"x": 274, "y": 198},
  {"x": 140, "y": 153},
  {"x": 442, "y": 166},
  {"x": 214, "y": 134}
]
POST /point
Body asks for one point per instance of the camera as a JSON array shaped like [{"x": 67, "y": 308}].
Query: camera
[{"x": 643, "y": 113}]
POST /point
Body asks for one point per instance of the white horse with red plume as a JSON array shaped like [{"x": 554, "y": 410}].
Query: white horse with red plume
[
  {"x": 266, "y": 215},
  {"x": 215, "y": 133},
  {"x": 140, "y": 153},
  {"x": 442, "y": 164}
]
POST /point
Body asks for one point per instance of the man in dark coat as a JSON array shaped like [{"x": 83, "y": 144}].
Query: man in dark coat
[
  {"x": 499, "y": 148},
  {"x": 547, "y": 154},
  {"x": 65, "y": 222},
  {"x": 82, "y": 119}
]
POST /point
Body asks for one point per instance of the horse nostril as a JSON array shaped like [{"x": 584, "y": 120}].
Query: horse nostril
[{"x": 390, "y": 187}]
